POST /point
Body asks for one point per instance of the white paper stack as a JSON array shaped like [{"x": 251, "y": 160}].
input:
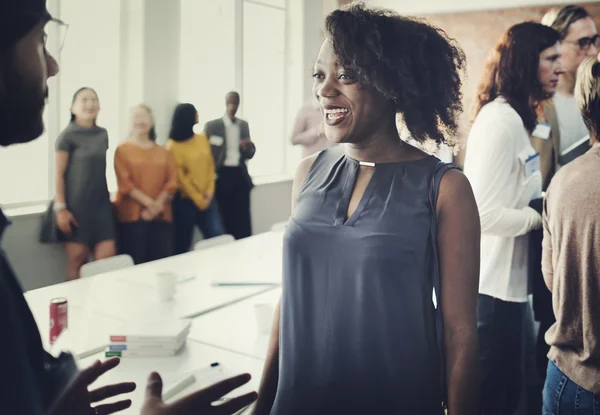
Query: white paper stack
[{"x": 149, "y": 339}]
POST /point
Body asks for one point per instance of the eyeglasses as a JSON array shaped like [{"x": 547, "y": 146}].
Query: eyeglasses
[
  {"x": 586, "y": 42},
  {"x": 56, "y": 34}
]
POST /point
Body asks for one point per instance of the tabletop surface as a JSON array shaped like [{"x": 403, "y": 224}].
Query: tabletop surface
[
  {"x": 238, "y": 328},
  {"x": 130, "y": 293}
]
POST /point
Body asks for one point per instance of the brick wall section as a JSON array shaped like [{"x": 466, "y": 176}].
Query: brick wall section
[{"x": 477, "y": 32}]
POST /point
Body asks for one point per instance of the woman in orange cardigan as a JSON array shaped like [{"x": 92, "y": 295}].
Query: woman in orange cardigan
[
  {"x": 194, "y": 204},
  {"x": 147, "y": 180}
]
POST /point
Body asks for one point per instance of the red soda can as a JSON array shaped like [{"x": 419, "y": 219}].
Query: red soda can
[{"x": 59, "y": 317}]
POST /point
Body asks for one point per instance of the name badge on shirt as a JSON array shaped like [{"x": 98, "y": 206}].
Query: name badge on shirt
[
  {"x": 542, "y": 130},
  {"x": 216, "y": 140},
  {"x": 532, "y": 164}
]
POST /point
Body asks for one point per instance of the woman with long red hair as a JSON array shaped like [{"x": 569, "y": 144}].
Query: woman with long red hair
[{"x": 504, "y": 169}]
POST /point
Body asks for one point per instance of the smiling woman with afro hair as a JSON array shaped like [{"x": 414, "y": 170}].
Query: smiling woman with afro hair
[
  {"x": 377, "y": 227},
  {"x": 409, "y": 62}
]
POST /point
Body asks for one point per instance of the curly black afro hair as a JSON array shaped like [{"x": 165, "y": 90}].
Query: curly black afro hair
[{"x": 410, "y": 62}]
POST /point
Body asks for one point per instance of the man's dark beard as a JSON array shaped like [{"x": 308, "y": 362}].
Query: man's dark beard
[{"x": 21, "y": 109}]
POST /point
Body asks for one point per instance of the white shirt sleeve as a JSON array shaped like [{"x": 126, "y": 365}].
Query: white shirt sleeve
[{"x": 491, "y": 166}]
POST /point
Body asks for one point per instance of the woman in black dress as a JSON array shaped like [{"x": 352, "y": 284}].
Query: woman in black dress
[{"x": 84, "y": 213}]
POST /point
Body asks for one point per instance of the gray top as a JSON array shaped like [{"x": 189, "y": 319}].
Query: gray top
[
  {"x": 358, "y": 325},
  {"x": 86, "y": 191}
]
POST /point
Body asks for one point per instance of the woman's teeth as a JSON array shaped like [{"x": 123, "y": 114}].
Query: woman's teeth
[{"x": 334, "y": 114}]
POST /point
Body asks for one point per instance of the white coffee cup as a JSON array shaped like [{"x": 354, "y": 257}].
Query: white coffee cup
[
  {"x": 165, "y": 285},
  {"x": 264, "y": 317}
]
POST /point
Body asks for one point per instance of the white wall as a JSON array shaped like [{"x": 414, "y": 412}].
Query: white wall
[
  {"x": 161, "y": 61},
  {"x": 208, "y": 62},
  {"x": 446, "y": 6},
  {"x": 149, "y": 61},
  {"x": 38, "y": 265},
  {"x": 131, "y": 60}
]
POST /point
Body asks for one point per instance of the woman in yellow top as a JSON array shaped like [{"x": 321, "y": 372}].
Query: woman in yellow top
[
  {"x": 194, "y": 204},
  {"x": 147, "y": 180}
]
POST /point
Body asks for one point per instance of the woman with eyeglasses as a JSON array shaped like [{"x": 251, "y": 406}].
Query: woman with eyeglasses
[{"x": 579, "y": 39}]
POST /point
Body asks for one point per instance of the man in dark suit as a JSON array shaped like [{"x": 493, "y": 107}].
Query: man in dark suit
[{"x": 231, "y": 146}]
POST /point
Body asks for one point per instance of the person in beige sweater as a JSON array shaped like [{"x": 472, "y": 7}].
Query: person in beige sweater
[{"x": 571, "y": 266}]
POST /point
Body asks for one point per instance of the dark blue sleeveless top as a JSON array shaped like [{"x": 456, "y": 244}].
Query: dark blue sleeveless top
[{"x": 358, "y": 324}]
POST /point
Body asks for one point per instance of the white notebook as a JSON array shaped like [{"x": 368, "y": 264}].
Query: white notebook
[{"x": 152, "y": 331}]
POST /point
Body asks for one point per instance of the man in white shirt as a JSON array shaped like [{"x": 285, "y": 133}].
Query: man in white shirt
[{"x": 229, "y": 137}]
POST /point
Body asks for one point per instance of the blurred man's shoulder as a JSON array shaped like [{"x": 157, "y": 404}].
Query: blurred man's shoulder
[{"x": 211, "y": 125}]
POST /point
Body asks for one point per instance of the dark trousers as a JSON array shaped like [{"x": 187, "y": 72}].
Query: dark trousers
[
  {"x": 565, "y": 397},
  {"x": 542, "y": 297},
  {"x": 500, "y": 332},
  {"x": 542, "y": 301},
  {"x": 533, "y": 383},
  {"x": 541, "y": 347},
  {"x": 233, "y": 195},
  {"x": 186, "y": 215},
  {"x": 145, "y": 241}
]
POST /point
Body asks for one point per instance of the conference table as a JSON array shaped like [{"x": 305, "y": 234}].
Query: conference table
[
  {"x": 207, "y": 280},
  {"x": 210, "y": 281}
]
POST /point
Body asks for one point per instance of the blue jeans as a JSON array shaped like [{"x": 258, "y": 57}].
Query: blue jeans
[
  {"x": 562, "y": 396},
  {"x": 186, "y": 215}
]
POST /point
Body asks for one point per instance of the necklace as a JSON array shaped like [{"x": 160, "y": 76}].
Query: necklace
[{"x": 366, "y": 163}]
